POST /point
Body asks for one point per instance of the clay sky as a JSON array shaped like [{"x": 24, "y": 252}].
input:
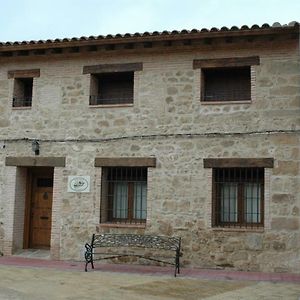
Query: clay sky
[{"x": 47, "y": 19}]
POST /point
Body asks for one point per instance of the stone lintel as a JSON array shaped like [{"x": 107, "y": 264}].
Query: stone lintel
[
  {"x": 238, "y": 162},
  {"x": 36, "y": 161},
  {"x": 226, "y": 62},
  {"x": 111, "y": 68},
  {"x": 125, "y": 162}
]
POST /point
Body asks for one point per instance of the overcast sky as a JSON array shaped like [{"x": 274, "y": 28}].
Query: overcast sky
[{"x": 45, "y": 19}]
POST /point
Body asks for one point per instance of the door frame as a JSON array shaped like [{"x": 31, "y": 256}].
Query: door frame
[{"x": 32, "y": 172}]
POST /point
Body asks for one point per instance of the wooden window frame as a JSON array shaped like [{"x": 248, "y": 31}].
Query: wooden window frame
[
  {"x": 106, "y": 208},
  {"x": 215, "y": 163},
  {"x": 241, "y": 222}
]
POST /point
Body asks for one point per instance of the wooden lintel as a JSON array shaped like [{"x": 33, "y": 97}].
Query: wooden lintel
[
  {"x": 110, "y": 68},
  {"x": 35, "y": 161},
  {"x": 125, "y": 162},
  {"x": 23, "y": 73},
  {"x": 238, "y": 162},
  {"x": 226, "y": 62}
]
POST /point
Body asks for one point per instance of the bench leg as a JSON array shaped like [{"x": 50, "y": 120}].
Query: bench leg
[
  {"x": 177, "y": 264},
  {"x": 86, "y": 265},
  {"x": 176, "y": 267},
  {"x": 177, "y": 270},
  {"x": 88, "y": 255}
]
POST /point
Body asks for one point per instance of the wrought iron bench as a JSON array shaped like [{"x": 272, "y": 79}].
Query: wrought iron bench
[{"x": 103, "y": 246}]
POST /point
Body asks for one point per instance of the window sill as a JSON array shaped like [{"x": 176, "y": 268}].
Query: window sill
[
  {"x": 111, "y": 105},
  {"x": 239, "y": 229},
  {"x": 225, "y": 102},
  {"x": 120, "y": 225}
]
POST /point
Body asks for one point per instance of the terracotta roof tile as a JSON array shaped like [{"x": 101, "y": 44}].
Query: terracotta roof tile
[{"x": 164, "y": 33}]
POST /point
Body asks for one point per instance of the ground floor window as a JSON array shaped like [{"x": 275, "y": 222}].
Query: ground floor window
[
  {"x": 238, "y": 197},
  {"x": 124, "y": 194}
]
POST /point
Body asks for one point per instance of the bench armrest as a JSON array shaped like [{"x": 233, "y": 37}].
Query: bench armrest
[{"x": 88, "y": 252}]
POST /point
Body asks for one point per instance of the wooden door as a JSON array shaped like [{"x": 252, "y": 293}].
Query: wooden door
[{"x": 41, "y": 209}]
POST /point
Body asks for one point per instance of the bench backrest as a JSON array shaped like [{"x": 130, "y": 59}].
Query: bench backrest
[{"x": 136, "y": 240}]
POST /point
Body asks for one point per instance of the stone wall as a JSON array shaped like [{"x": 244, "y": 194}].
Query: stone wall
[{"x": 167, "y": 121}]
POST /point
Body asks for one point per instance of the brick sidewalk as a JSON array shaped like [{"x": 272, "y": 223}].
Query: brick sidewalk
[{"x": 151, "y": 270}]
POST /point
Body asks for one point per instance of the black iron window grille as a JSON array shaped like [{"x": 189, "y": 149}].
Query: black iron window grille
[
  {"x": 112, "y": 88},
  {"x": 238, "y": 197},
  {"x": 226, "y": 84},
  {"x": 22, "y": 102},
  {"x": 22, "y": 92},
  {"x": 124, "y": 195}
]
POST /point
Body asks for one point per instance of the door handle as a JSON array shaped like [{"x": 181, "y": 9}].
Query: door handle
[{"x": 44, "y": 218}]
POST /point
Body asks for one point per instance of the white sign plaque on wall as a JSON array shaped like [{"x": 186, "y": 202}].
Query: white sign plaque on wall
[{"x": 79, "y": 184}]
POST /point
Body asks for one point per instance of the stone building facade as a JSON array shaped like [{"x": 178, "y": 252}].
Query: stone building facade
[{"x": 194, "y": 143}]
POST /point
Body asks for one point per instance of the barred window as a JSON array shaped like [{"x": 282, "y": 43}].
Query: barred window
[
  {"x": 22, "y": 96},
  {"x": 238, "y": 197},
  {"x": 226, "y": 84},
  {"x": 112, "y": 88},
  {"x": 124, "y": 195}
]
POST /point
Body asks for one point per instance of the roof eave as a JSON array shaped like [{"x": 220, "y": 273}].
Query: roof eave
[{"x": 177, "y": 36}]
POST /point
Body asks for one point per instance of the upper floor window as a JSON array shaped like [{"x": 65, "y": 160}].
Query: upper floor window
[
  {"x": 112, "y": 88},
  {"x": 23, "y": 86},
  {"x": 112, "y": 84},
  {"x": 226, "y": 80},
  {"x": 226, "y": 84},
  {"x": 22, "y": 96}
]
